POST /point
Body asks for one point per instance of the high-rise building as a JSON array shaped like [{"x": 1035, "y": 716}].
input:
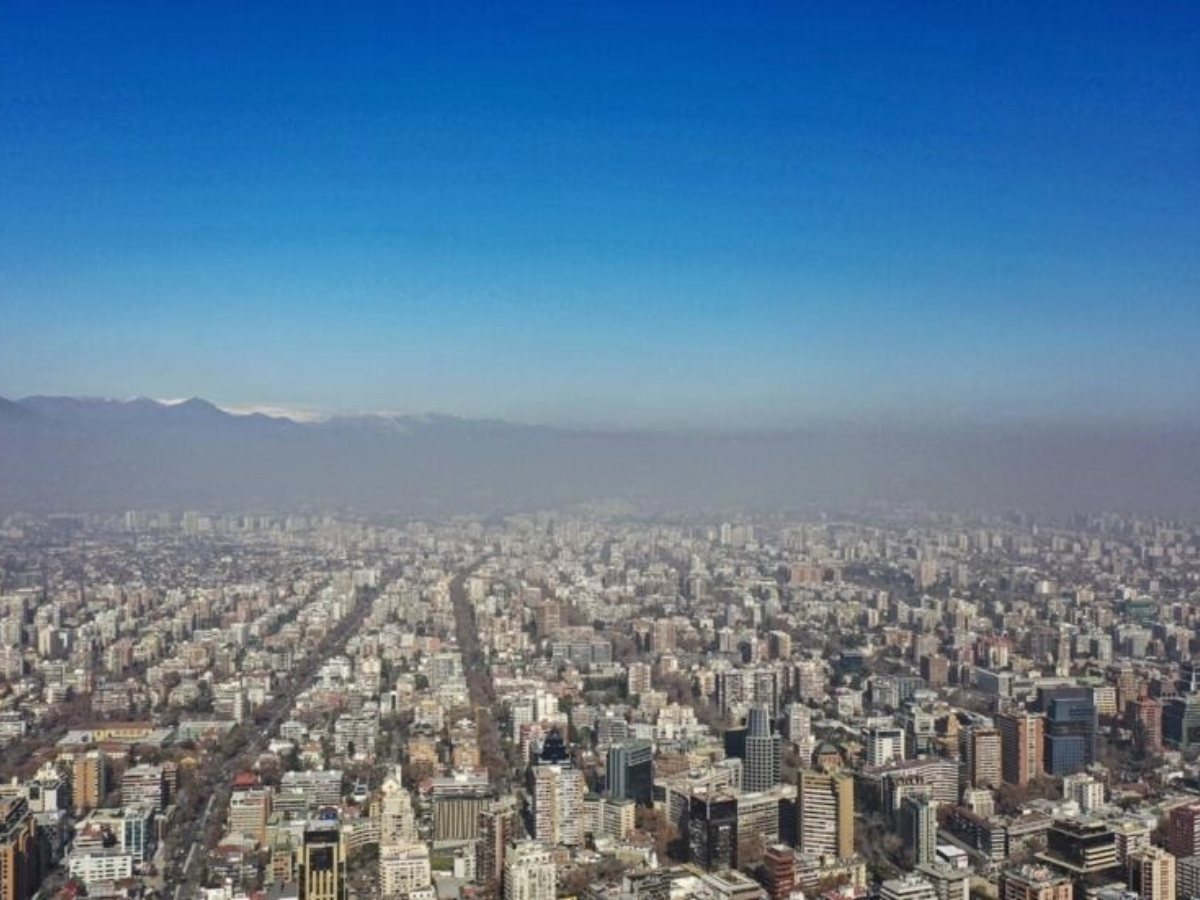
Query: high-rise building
[
  {"x": 1084, "y": 847},
  {"x": 457, "y": 801},
  {"x": 1105, "y": 698},
  {"x": 1181, "y": 720},
  {"x": 713, "y": 830},
  {"x": 558, "y": 805},
  {"x": 1132, "y": 835},
  {"x": 764, "y": 752},
  {"x": 397, "y": 819},
  {"x": 630, "y": 772},
  {"x": 1189, "y": 676},
  {"x": 936, "y": 778},
  {"x": 1183, "y": 830},
  {"x": 825, "y": 813},
  {"x": 935, "y": 669},
  {"x": 1126, "y": 682},
  {"x": 1187, "y": 876},
  {"x": 799, "y": 728},
  {"x": 1145, "y": 720},
  {"x": 89, "y": 780},
  {"x": 547, "y": 618},
  {"x": 885, "y": 745},
  {"x": 982, "y": 757},
  {"x": 733, "y": 689},
  {"x": 810, "y": 679},
  {"x": 1152, "y": 874},
  {"x": 404, "y": 867},
  {"x": 322, "y": 862},
  {"x": 920, "y": 732},
  {"x": 497, "y": 829},
  {"x": 1070, "y": 737},
  {"x": 529, "y": 872},
  {"x": 249, "y": 808},
  {"x": 617, "y": 818},
  {"x": 638, "y": 678},
  {"x": 144, "y": 785},
  {"x": 1085, "y": 790},
  {"x": 663, "y": 636},
  {"x": 1021, "y": 745},
  {"x": 19, "y": 872},
  {"x": 760, "y": 814},
  {"x": 765, "y": 689},
  {"x": 779, "y": 645},
  {"x": 918, "y": 828},
  {"x": 49, "y": 791},
  {"x": 779, "y": 867}
]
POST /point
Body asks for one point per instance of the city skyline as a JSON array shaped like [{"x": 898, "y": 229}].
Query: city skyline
[
  {"x": 609, "y": 216},
  {"x": 605, "y": 451}
]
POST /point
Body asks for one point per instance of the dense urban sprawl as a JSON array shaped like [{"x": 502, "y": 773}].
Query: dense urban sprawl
[{"x": 889, "y": 703}]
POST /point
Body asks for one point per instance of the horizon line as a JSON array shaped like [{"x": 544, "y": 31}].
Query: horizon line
[{"x": 895, "y": 422}]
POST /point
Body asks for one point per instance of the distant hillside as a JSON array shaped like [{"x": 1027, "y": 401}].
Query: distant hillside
[{"x": 60, "y": 453}]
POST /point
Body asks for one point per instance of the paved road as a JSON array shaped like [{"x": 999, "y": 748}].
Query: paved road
[
  {"x": 219, "y": 770},
  {"x": 479, "y": 675}
]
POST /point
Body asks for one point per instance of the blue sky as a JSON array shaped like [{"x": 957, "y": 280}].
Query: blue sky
[{"x": 617, "y": 214}]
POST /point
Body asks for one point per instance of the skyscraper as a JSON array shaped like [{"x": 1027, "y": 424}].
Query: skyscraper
[
  {"x": 19, "y": 874},
  {"x": 638, "y": 678},
  {"x": 982, "y": 756},
  {"x": 1145, "y": 719},
  {"x": 89, "y": 780},
  {"x": 457, "y": 800},
  {"x": 1181, "y": 720},
  {"x": 1070, "y": 737},
  {"x": 323, "y": 863},
  {"x": 558, "y": 805},
  {"x": 1183, "y": 830},
  {"x": 825, "y": 813},
  {"x": 1021, "y": 746},
  {"x": 799, "y": 728},
  {"x": 885, "y": 745},
  {"x": 1152, "y": 873},
  {"x": 779, "y": 645},
  {"x": 397, "y": 820},
  {"x": 249, "y": 808},
  {"x": 764, "y": 752},
  {"x": 497, "y": 829},
  {"x": 918, "y": 828},
  {"x": 630, "y": 772},
  {"x": 144, "y": 785},
  {"x": 547, "y": 617},
  {"x": 779, "y": 865},
  {"x": 713, "y": 829}
]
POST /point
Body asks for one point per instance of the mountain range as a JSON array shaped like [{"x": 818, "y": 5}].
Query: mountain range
[{"x": 62, "y": 454}]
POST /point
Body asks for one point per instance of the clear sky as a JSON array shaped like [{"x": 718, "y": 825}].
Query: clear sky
[{"x": 637, "y": 214}]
